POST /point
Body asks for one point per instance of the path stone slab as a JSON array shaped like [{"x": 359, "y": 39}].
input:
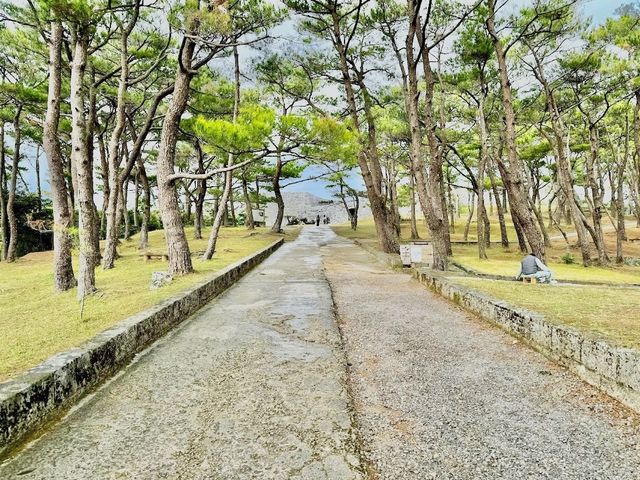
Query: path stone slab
[{"x": 251, "y": 387}]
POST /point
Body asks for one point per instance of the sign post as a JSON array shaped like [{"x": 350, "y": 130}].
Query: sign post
[
  {"x": 416, "y": 253},
  {"x": 405, "y": 255}
]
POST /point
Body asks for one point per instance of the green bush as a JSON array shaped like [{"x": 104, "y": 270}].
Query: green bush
[{"x": 568, "y": 259}]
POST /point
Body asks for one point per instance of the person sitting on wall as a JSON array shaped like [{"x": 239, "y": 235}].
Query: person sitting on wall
[{"x": 532, "y": 267}]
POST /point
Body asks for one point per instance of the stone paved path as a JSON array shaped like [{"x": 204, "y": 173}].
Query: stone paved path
[
  {"x": 255, "y": 387},
  {"x": 441, "y": 394}
]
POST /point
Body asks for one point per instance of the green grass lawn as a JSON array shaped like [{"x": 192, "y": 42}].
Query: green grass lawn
[
  {"x": 507, "y": 262},
  {"x": 606, "y": 313},
  {"x": 36, "y": 323}
]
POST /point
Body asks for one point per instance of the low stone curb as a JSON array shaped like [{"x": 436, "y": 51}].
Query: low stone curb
[
  {"x": 614, "y": 370},
  {"x": 28, "y": 401}
]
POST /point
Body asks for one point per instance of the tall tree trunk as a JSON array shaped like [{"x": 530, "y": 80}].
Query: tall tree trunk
[
  {"x": 176, "y": 240},
  {"x": 563, "y": 163},
  {"x": 201, "y": 193},
  {"x": 62, "y": 217},
  {"x": 277, "y": 224},
  {"x": 115, "y": 154},
  {"x": 621, "y": 234},
  {"x": 104, "y": 176},
  {"x": 11, "y": 213},
  {"x": 522, "y": 242},
  {"x": 635, "y": 173},
  {"x": 248, "y": 208},
  {"x": 221, "y": 214},
  {"x": 505, "y": 201},
  {"x": 452, "y": 208},
  {"x": 487, "y": 226},
  {"x": 504, "y": 237},
  {"x": 592, "y": 164},
  {"x": 356, "y": 210},
  {"x": 483, "y": 233},
  {"x": 38, "y": 183},
  {"x": 136, "y": 198},
  {"x": 491, "y": 203},
  {"x": 428, "y": 185},
  {"x": 368, "y": 160},
  {"x": 513, "y": 172},
  {"x": 71, "y": 189},
  {"x": 437, "y": 213},
  {"x": 232, "y": 209},
  {"x": 146, "y": 209},
  {"x": 391, "y": 36},
  {"x": 393, "y": 200},
  {"x": 125, "y": 209},
  {"x": 412, "y": 200},
  {"x": 619, "y": 205},
  {"x": 94, "y": 231},
  {"x": 620, "y": 230},
  {"x": 467, "y": 226},
  {"x": 81, "y": 158},
  {"x": 4, "y": 234}
]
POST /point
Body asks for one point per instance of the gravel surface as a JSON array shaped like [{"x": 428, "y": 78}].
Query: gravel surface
[
  {"x": 441, "y": 394},
  {"x": 252, "y": 387}
]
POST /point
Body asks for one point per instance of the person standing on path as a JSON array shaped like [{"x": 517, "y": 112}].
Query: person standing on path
[{"x": 318, "y": 220}]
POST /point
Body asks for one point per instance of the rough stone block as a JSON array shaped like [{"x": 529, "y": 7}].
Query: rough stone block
[
  {"x": 566, "y": 343},
  {"x": 599, "y": 357},
  {"x": 541, "y": 333},
  {"x": 521, "y": 324},
  {"x": 628, "y": 368}
]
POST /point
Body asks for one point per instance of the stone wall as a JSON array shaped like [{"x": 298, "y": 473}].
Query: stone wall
[
  {"x": 28, "y": 401},
  {"x": 615, "y": 370},
  {"x": 307, "y": 205}
]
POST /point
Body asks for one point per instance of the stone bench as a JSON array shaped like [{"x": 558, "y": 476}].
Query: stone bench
[{"x": 151, "y": 255}]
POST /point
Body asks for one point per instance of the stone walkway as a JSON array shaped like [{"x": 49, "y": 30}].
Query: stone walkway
[
  {"x": 252, "y": 387},
  {"x": 255, "y": 386},
  {"x": 441, "y": 394}
]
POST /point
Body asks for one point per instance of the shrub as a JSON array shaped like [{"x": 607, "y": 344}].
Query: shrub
[{"x": 568, "y": 258}]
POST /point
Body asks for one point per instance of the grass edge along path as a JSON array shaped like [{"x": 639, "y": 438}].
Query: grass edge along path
[
  {"x": 506, "y": 262},
  {"x": 36, "y": 323},
  {"x": 602, "y": 312}
]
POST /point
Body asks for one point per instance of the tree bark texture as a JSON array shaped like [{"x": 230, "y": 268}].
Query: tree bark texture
[
  {"x": 513, "y": 171},
  {"x": 81, "y": 159},
  {"x": 11, "y": 213},
  {"x": 176, "y": 240},
  {"x": 63, "y": 277}
]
